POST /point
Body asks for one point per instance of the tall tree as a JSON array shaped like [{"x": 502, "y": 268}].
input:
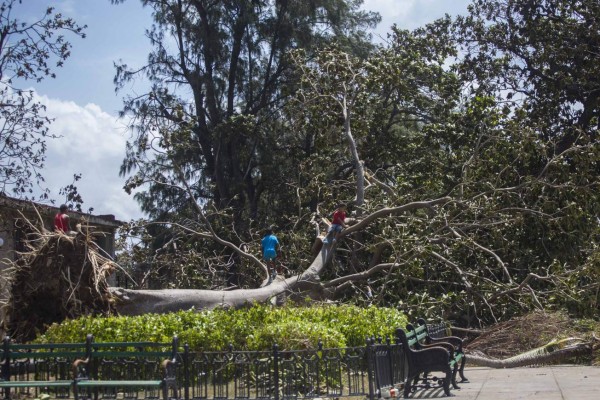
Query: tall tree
[
  {"x": 217, "y": 74},
  {"x": 29, "y": 51}
]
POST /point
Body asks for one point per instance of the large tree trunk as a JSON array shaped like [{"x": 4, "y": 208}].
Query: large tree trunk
[{"x": 136, "y": 302}]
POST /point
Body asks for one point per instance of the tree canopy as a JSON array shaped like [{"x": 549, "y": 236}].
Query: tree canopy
[
  {"x": 219, "y": 72},
  {"x": 467, "y": 148},
  {"x": 29, "y": 51}
]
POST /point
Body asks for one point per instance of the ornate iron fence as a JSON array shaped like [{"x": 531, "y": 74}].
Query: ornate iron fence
[
  {"x": 360, "y": 371},
  {"x": 292, "y": 374}
]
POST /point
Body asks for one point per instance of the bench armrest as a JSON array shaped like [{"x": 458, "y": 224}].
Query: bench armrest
[
  {"x": 80, "y": 369},
  {"x": 453, "y": 340},
  {"x": 449, "y": 347},
  {"x": 169, "y": 368}
]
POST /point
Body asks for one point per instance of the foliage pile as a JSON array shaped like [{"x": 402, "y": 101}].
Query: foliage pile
[
  {"x": 254, "y": 328},
  {"x": 533, "y": 330},
  {"x": 60, "y": 276}
]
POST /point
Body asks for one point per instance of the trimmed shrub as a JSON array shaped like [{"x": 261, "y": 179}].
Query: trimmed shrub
[{"x": 254, "y": 328}]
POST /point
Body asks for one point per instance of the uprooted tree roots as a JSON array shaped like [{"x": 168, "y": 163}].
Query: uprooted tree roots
[{"x": 60, "y": 276}]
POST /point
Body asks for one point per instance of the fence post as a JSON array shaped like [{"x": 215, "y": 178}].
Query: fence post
[
  {"x": 402, "y": 362},
  {"x": 186, "y": 371},
  {"x": 319, "y": 362},
  {"x": 370, "y": 368},
  {"x": 276, "y": 370},
  {"x": 388, "y": 342},
  {"x": 6, "y": 365}
]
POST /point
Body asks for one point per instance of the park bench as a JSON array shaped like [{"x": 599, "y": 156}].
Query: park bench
[
  {"x": 424, "y": 359},
  {"x": 44, "y": 368},
  {"x": 132, "y": 368},
  {"x": 432, "y": 333},
  {"x": 419, "y": 333}
]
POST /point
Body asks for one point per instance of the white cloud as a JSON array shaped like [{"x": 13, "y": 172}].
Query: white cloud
[
  {"x": 390, "y": 9},
  {"x": 92, "y": 142},
  {"x": 410, "y": 14}
]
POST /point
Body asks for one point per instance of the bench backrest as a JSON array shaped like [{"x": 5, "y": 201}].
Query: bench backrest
[
  {"x": 416, "y": 334},
  {"x": 128, "y": 360},
  {"x": 408, "y": 340},
  {"x": 436, "y": 330},
  {"x": 37, "y": 361}
]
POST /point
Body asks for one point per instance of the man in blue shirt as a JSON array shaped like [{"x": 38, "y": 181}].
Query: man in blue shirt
[{"x": 270, "y": 249}]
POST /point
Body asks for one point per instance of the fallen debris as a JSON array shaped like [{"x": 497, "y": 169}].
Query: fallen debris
[{"x": 533, "y": 339}]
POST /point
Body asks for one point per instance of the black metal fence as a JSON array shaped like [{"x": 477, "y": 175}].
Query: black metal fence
[
  {"x": 248, "y": 375},
  {"x": 292, "y": 374}
]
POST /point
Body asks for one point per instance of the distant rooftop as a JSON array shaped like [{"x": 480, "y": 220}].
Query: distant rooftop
[{"x": 106, "y": 219}]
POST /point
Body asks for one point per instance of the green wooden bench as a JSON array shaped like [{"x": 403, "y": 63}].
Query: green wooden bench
[
  {"x": 419, "y": 339},
  {"x": 132, "y": 367},
  {"x": 436, "y": 332},
  {"x": 45, "y": 368},
  {"x": 423, "y": 359}
]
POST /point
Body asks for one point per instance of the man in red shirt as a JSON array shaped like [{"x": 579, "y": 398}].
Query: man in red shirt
[
  {"x": 61, "y": 220},
  {"x": 338, "y": 223}
]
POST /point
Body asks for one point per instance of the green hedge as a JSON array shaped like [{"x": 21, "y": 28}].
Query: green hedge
[{"x": 254, "y": 328}]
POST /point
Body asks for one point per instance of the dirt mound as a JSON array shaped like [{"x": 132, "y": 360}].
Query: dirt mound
[{"x": 60, "y": 276}]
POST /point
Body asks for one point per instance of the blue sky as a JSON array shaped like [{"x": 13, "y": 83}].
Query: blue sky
[{"x": 83, "y": 102}]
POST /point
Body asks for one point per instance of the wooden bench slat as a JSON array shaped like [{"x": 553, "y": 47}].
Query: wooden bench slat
[
  {"x": 130, "y": 354},
  {"x": 44, "y": 346},
  {"x": 129, "y": 344},
  {"x": 24, "y": 384},
  {"x": 94, "y": 383},
  {"x": 47, "y": 354}
]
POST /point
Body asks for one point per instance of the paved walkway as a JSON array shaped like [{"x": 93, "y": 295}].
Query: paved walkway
[{"x": 560, "y": 382}]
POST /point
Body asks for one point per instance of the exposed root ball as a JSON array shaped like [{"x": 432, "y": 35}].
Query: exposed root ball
[{"x": 60, "y": 276}]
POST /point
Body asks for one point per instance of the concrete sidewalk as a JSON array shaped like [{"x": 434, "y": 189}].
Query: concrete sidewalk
[{"x": 572, "y": 382}]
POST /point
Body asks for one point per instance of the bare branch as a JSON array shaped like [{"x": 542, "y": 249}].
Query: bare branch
[{"x": 384, "y": 212}]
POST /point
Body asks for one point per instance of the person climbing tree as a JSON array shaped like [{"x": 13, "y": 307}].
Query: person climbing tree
[
  {"x": 270, "y": 248},
  {"x": 338, "y": 223}
]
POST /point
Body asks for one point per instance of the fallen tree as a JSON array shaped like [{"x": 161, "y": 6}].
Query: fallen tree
[
  {"x": 71, "y": 270},
  {"x": 306, "y": 284}
]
